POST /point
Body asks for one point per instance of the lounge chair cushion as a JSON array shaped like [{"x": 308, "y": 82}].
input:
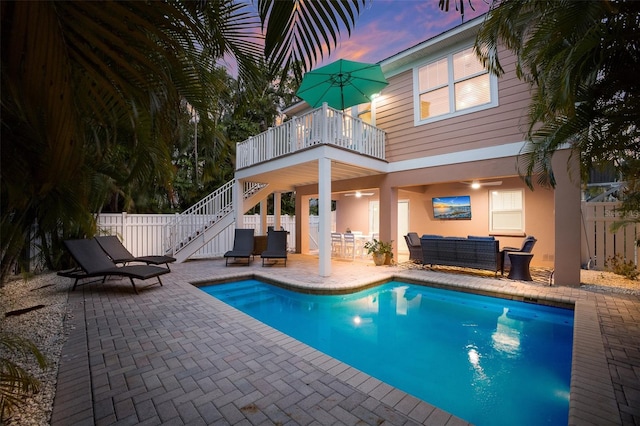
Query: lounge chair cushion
[
  {"x": 243, "y": 245},
  {"x": 119, "y": 253},
  {"x": 276, "y": 246}
]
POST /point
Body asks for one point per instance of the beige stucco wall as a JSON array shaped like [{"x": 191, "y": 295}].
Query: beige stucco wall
[
  {"x": 355, "y": 212},
  {"x": 538, "y": 216}
]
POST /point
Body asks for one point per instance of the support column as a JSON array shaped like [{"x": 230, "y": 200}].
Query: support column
[
  {"x": 388, "y": 211},
  {"x": 567, "y": 220},
  {"x": 238, "y": 204},
  {"x": 324, "y": 213},
  {"x": 302, "y": 223},
  {"x": 263, "y": 217},
  {"x": 277, "y": 210}
]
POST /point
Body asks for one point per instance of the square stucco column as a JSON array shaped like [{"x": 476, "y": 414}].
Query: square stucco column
[
  {"x": 324, "y": 213},
  {"x": 567, "y": 220},
  {"x": 388, "y": 212},
  {"x": 302, "y": 223},
  {"x": 238, "y": 204},
  {"x": 277, "y": 209},
  {"x": 263, "y": 217}
]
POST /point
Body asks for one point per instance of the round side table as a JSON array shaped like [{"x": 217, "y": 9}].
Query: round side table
[{"x": 520, "y": 266}]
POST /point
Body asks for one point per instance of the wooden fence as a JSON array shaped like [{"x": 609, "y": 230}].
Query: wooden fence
[{"x": 599, "y": 243}]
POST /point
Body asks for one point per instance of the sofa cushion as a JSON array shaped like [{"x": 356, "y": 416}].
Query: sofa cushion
[{"x": 475, "y": 237}]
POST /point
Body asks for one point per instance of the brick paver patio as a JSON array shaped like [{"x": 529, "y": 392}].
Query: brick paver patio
[{"x": 170, "y": 355}]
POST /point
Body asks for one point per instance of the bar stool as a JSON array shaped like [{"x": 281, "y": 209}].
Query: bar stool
[
  {"x": 336, "y": 244},
  {"x": 349, "y": 245}
]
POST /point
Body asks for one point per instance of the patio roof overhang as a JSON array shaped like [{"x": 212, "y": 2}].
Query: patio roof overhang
[{"x": 301, "y": 168}]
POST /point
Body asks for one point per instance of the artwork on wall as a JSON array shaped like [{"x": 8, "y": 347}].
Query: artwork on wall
[{"x": 458, "y": 207}]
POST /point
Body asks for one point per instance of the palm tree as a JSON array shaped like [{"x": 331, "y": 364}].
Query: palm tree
[
  {"x": 581, "y": 60},
  {"x": 16, "y": 383},
  {"x": 92, "y": 91}
]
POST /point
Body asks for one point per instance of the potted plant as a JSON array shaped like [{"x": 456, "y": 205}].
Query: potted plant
[{"x": 382, "y": 252}]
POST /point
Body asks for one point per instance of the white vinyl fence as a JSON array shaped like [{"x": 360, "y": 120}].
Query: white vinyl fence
[
  {"x": 144, "y": 234},
  {"x": 599, "y": 243}
]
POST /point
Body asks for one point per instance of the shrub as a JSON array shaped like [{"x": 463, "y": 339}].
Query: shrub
[{"x": 617, "y": 265}]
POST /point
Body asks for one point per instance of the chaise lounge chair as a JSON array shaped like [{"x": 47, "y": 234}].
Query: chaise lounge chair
[
  {"x": 93, "y": 262},
  {"x": 242, "y": 246},
  {"x": 119, "y": 253},
  {"x": 276, "y": 247},
  {"x": 527, "y": 246}
]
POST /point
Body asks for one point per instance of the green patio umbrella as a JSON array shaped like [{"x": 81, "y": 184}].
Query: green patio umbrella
[{"x": 341, "y": 84}]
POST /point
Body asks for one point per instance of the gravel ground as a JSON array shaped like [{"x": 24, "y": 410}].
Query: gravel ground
[
  {"x": 46, "y": 328},
  {"x": 608, "y": 281}
]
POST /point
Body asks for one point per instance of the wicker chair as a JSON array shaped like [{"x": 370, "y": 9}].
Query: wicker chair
[
  {"x": 415, "y": 249},
  {"x": 527, "y": 246}
]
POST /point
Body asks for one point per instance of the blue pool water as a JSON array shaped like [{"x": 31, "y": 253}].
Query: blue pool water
[{"x": 487, "y": 360}]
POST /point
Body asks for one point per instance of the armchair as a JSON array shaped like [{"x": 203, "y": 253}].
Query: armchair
[
  {"x": 415, "y": 249},
  {"x": 527, "y": 246}
]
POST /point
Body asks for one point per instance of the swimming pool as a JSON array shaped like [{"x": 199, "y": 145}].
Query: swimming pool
[{"x": 486, "y": 360}]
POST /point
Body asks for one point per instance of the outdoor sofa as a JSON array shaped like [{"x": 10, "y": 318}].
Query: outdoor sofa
[{"x": 472, "y": 252}]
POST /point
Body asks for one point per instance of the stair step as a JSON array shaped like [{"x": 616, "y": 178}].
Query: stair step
[{"x": 245, "y": 295}]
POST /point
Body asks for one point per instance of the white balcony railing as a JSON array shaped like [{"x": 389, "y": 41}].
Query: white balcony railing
[{"x": 321, "y": 126}]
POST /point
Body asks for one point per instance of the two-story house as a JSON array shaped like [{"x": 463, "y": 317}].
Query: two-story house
[{"x": 441, "y": 124}]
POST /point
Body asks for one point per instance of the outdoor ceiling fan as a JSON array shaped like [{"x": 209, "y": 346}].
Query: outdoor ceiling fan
[
  {"x": 358, "y": 194},
  {"x": 475, "y": 184}
]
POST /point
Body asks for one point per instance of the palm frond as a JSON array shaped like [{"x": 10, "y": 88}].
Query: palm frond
[
  {"x": 299, "y": 31},
  {"x": 16, "y": 384}
]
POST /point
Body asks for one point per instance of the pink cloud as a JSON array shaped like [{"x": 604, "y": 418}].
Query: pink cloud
[{"x": 387, "y": 27}]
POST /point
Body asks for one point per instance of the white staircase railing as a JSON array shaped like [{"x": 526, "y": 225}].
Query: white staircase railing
[{"x": 206, "y": 213}]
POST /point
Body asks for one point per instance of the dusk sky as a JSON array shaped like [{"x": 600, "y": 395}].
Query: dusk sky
[{"x": 387, "y": 27}]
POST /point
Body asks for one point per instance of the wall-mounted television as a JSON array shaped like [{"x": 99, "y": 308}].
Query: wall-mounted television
[{"x": 458, "y": 207}]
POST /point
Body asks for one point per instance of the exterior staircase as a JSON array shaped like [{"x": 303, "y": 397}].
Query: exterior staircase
[{"x": 200, "y": 223}]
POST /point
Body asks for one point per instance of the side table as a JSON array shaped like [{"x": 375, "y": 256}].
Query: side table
[
  {"x": 520, "y": 266},
  {"x": 259, "y": 244}
]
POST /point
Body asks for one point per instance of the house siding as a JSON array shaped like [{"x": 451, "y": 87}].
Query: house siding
[{"x": 495, "y": 126}]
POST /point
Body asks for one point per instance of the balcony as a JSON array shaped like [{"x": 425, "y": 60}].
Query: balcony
[{"x": 322, "y": 126}]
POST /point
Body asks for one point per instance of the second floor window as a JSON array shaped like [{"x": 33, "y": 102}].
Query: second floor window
[{"x": 452, "y": 85}]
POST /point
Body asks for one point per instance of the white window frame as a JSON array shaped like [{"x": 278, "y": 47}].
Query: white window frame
[
  {"x": 493, "y": 90},
  {"x": 360, "y": 109},
  {"x": 374, "y": 217},
  {"x": 507, "y": 212}
]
